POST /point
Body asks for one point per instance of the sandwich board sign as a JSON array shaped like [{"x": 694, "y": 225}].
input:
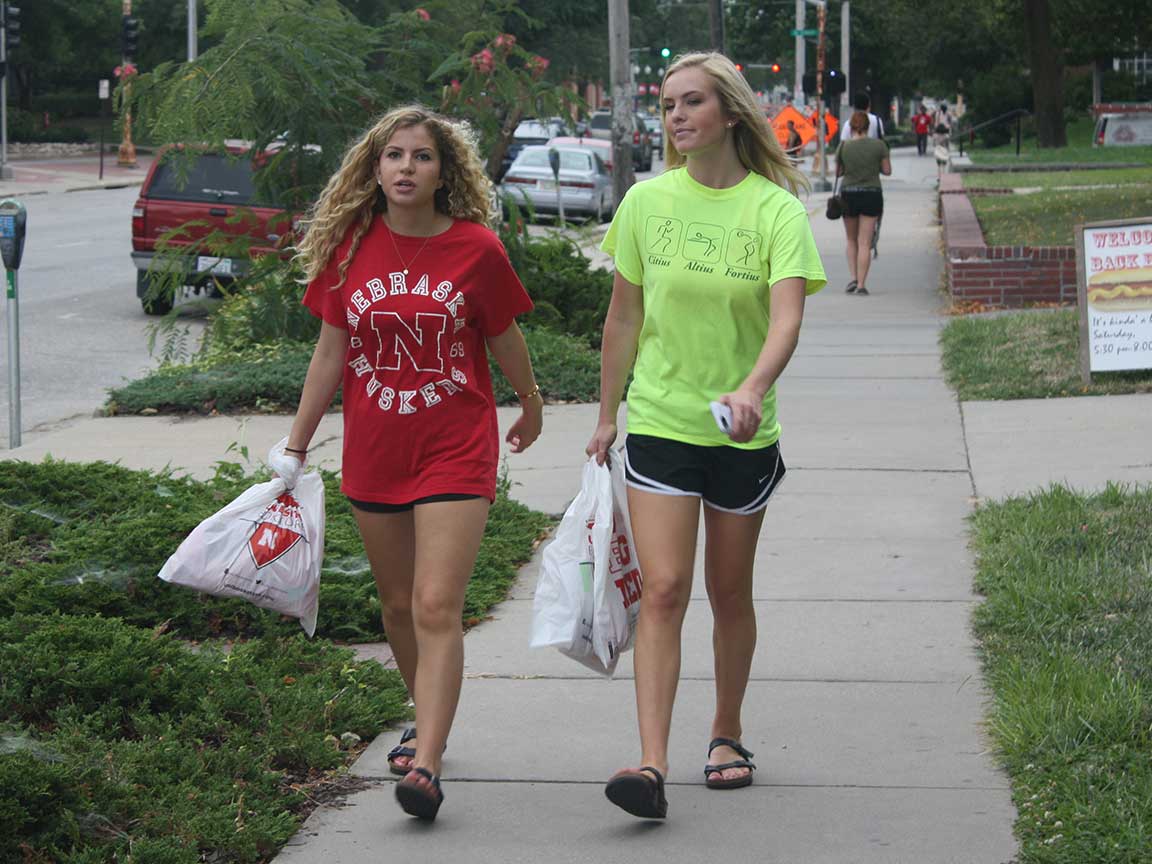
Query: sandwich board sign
[{"x": 1114, "y": 284}]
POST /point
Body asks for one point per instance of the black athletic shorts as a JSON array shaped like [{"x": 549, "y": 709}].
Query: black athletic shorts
[
  {"x": 863, "y": 202},
  {"x": 377, "y": 507},
  {"x": 726, "y": 478}
]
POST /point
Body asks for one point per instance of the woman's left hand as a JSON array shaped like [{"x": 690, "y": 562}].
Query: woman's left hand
[
  {"x": 747, "y": 412},
  {"x": 527, "y": 428}
]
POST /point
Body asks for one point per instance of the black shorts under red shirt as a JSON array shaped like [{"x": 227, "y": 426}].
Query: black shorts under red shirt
[{"x": 419, "y": 414}]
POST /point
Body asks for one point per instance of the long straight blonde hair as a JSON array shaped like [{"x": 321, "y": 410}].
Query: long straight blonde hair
[
  {"x": 756, "y": 144},
  {"x": 353, "y": 196}
]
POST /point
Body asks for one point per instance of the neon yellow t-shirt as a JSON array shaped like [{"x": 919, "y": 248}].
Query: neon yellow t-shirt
[{"x": 706, "y": 259}]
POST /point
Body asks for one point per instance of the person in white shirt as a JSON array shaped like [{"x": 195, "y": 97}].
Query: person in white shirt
[{"x": 863, "y": 102}]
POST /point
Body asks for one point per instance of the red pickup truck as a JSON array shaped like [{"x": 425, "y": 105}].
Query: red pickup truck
[{"x": 205, "y": 193}]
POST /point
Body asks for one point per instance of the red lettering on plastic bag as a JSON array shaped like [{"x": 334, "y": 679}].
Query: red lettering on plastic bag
[{"x": 279, "y": 530}]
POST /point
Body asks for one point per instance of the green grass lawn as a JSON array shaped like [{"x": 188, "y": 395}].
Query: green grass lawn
[
  {"x": 1079, "y": 149},
  {"x": 1047, "y": 218},
  {"x": 1025, "y": 355},
  {"x": 1049, "y": 179},
  {"x": 1064, "y": 640}
]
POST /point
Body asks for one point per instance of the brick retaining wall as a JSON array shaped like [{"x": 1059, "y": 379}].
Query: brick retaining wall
[{"x": 999, "y": 275}]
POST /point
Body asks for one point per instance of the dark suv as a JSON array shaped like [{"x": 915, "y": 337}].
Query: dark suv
[
  {"x": 204, "y": 193},
  {"x": 600, "y": 126}
]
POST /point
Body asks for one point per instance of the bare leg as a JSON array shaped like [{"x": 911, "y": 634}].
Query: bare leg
[
  {"x": 665, "y": 532},
  {"x": 448, "y": 536},
  {"x": 851, "y": 227},
  {"x": 729, "y": 554},
  {"x": 389, "y": 542},
  {"x": 864, "y": 249}
]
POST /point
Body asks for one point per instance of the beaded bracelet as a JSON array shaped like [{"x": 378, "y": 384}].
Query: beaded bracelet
[{"x": 535, "y": 391}]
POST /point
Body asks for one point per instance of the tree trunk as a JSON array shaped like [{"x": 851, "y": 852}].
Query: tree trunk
[
  {"x": 503, "y": 139},
  {"x": 1047, "y": 63}
]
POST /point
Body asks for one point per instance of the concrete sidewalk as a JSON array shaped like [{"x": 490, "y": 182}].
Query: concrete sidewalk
[
  {"x": 72, "y": 174},
  {"x": 865, "y": 707}
]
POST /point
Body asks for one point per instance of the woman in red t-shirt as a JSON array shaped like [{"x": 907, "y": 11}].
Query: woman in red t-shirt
[{"x": 413, "y": 291}]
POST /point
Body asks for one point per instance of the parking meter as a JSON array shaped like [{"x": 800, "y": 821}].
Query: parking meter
[
  {"x": 554, "y": 161},
  {"x": 13, "y": 221}
]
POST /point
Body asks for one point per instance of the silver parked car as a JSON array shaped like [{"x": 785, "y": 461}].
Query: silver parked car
[{"x": 585, "y": 182}]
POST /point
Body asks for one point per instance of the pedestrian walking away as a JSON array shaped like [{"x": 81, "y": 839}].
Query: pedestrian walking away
[
  {"x": 922, "y": 126},
  {"x": 861, "y": 160},
  {"x": 413, "y": 291},
  {"x": 863, "y": 102},
  {"x": 713, "y": 316},
  {"x": 941, "y": 149},
  {"x": 795, "y": 145}
]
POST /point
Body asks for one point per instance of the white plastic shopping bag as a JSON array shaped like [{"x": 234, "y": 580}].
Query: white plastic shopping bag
[
  {"x": 588, "y": 592},
  {"x": 266, "y": 546}
]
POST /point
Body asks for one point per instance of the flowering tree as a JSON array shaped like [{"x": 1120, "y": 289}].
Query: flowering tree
[{"x": 494, "y": 83}]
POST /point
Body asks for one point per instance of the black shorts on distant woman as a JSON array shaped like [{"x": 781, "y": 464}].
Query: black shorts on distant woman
[{"x": 863, "y": 201}]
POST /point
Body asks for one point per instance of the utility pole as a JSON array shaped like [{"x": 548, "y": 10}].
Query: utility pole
[
  {"x": 126, "y": 156},
  {"x": 623, "y": 122},
  {"x": 716, "y": 24},
  {"x": 822, "y": 19},
  {"x": 845, "y": 62},
  {"x": 192, "y": 47},
  {"x": 801, "y": 59},
  {"x": 5, "y": 168}
]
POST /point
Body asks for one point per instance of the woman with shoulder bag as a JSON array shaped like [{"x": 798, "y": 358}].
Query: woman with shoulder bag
[{"x": 860, "y": 161}]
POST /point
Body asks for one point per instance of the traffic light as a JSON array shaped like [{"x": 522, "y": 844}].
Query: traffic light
[
  {"x": 775, "y": 67},
  {"x": 129, "y": 36},
  {"x": 665, "y": 53},
  {"x": 11, "y": 26},
  {"x": 834, "y": 83},
  {"x": 739, "y": 67}
]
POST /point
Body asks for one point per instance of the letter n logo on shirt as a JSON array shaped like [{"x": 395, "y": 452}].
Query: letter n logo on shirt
[{"x": 420, "y": 345}]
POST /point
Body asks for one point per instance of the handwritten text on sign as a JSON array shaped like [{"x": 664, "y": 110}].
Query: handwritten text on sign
[{"x": 1118, "y": 282}]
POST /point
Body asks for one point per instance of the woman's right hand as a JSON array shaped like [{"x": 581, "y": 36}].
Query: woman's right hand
[
  {"x": 602, "y": 439},
  {"x": 287, "y": 466}
]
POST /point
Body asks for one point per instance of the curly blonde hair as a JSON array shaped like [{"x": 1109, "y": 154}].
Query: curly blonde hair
[
  {"x": 756, "y": 144},
  {"x": 353, "y": 196}
]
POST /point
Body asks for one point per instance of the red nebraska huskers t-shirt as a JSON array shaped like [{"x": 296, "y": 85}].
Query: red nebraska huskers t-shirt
[{"x": 419, "y": 414}]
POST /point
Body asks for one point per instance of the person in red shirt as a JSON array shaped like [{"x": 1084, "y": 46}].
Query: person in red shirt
[
  {"x": 413, "y": 291},
  {"x": 922, "y": 126}
]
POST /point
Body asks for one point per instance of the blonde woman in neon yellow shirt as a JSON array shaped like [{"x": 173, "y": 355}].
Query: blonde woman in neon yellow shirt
[{"x": 714, "y": 259}]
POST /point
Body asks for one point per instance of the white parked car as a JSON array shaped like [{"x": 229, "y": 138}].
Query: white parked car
[{"x": 585, "y": 183}]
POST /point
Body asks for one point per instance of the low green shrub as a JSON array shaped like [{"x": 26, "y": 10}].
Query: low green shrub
[
  {"x": 269, "y": 377},
  {"x": 89, "y": 539},
  {"x": 204, "y": 760},
  {"x": 569, "y": 295}
]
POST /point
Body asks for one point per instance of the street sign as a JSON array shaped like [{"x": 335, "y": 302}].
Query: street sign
[{"x": 803, "y": 33}]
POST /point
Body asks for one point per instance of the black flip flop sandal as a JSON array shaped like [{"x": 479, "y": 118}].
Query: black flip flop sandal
[
  {"x": 639, "y": 792},
  {"x": 850, "y": 288},
  {"x": 736, "y": 783},
  {"x": 417, "y": 800},
  {"x": 401, "y": 750}
]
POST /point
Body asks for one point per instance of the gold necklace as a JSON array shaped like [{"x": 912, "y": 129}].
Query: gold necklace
[{"x": 392, "y": 234}]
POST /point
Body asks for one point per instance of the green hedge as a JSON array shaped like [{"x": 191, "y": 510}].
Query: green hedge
[
  {"x": 270, "y": 377},
  {"x": 117, "y": 743},
  {"x": 89, "y": 539}
]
